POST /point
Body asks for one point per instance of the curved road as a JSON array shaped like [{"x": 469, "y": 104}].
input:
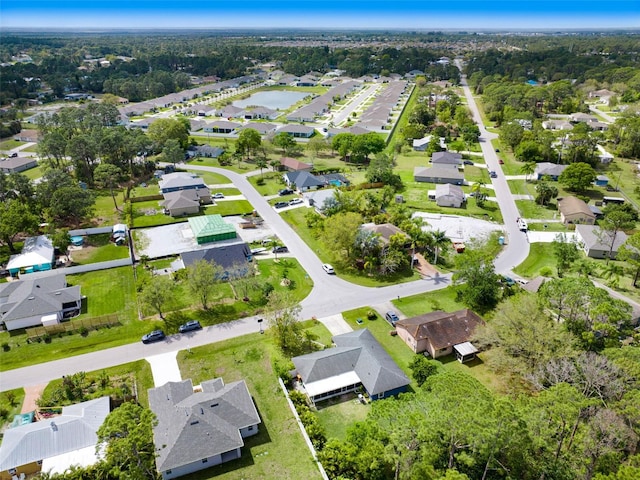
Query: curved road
[{"x": 330, "y": 295}]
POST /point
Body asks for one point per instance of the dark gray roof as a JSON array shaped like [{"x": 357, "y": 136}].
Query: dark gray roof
[
  {"x": 448, "y": 158},
  {"x": 355, "y": 351},
  {"x": 225, "y": 256},
  {"x": 439, "y": 171},
  {"x": 30, "y": 298},
  {"x": 75, "y": 429},
  {"x": 303, "y": 179},
  {"x": 196, "y": 425}
]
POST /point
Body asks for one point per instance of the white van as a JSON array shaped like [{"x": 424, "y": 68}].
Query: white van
[{"x": 522, "y": 225}]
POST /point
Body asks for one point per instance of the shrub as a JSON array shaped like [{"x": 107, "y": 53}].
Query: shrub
[
  {"x": 371, "y": 315},
  {"x": 546, "y": 272},
  {"x": 6, "y": 347},
  {"x": 83, "y": 331},
  {"x": 260, "y": 181}
]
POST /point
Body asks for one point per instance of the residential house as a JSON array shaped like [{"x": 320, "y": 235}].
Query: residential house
[
  {"x": 448, "y": 195},
  {"x": 205, "y": 151},
  {"x": 413, "y": 74},
  {"x": 200, "y": 428},
  {"x": 287, "y": 80},
  {"x": 196, "y": 125},
  {"x": 385, "y": 231},
  {"x": 262, "y": 128},
  {"x": 547, "y": 169},
  {"x": 307, "y": 81},
  {"x": 27, "y": 136},
  {"x": 263, "y": 113},
  {"x": 604, "y": 95},
  {"x": 185, "y": 202},
  {"x": 357, "y": 360},
  {"x": 143, "y": 123},
  {"x": 552, "y": 124},
  {"x": 293, "y": 165},
  {"x": 17, "y": 164},
  {"x": 226, "y": 256},
  {"x": 230, "y": 111},
  {"x": 439, "y": 333},
  {"x": 421, "y": 144},
  {"x": 303, "y": 181},
  {"x": 439, "y": 174},
  {"x": 41, "y": 301},
  {"x": 172, "y": 182},
  {"x": 583, "y": 117},
  {"x": 574, "y": 210},
  {"x": 446, "y": 158},
  {"x": 333, "y": 179},
  {"x": 54, "y": 444},
  {"x": 317, "y": 198},
  {"x": 37, "y": 254},
  {"x": 221, "y": 126},
  {"x": 596, "y": 242},
  {"x": 298, "y": 131}
]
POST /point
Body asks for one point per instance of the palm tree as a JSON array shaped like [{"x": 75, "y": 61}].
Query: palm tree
[
  {"x": 261, "y": 163},
  {"x": 440, "y": 240},
  {"x": 528, "y": 168},
  {"x": 612, "y": 272}
]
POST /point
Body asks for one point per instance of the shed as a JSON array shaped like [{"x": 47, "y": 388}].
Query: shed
[{"x": 211, "y": 228}]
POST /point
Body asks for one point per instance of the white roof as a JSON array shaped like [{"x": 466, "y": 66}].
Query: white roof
[
  {"x": 465, "y": 349},
  {"x": 332, "y": 383},
  {"x": 36, "y": 251},
  {"x": 83, "y": 457}
]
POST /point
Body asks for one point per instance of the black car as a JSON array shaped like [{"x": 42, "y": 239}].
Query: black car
[
  {"x": 281, "y": 249},
  {"x": 467, "y": 162},
  {"x": 190, "y": 326},
  {"x": 493, "y": 174},
  {"x": 281, "y": 204},
  {"x": 285, "y": 191},
  {"x": 154, "y": 336}
]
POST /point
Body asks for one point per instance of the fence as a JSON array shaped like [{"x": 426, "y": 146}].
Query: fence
[
  {"x": 39, "y": 333},
  {"x": 90, "y": 231},
  {"x": 145, "y": 198}
]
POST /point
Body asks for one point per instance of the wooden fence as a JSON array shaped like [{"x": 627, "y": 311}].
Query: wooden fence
[{"x": 35, "y": 334}]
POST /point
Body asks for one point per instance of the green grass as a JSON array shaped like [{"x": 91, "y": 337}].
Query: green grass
[
  {"x": 34, "y": 173},
  {"x": 99, "y": 248},
  {"x": 273, "y": 182},
  {"x": 229, "y": 207},
  {"x": 11, "y": 144},
  {"x": 278, "y": 451},
  {"x": 444, "y": 299},
  {"x": 211, "y": 178},
  {"x": 317, "y": 329},
  {"x": 540, "y": 256},
  {"x": 337, "y": 414},
  {"x": 105, "y": 212},
  {"x": 531, "y": 209},
  {"x": 227, "y": 192}
]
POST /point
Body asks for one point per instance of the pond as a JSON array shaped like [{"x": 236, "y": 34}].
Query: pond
[{"x": 275, "y": 99}]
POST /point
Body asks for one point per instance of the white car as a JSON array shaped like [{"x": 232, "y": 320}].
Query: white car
[
  {"x": 328, "y": 268},
  {"x": 295, "y": 201}
]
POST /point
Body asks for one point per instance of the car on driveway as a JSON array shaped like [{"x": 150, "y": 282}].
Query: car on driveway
[
  {"x": 285, "y": 191},
  {"x": 190, "y": 326},
  {"x": 391, "y": 317},
  {"x": 467, "y": 162},
  {"x": 501, "y": 162},
  {"x": 328, "y": 268},
  {"x": 281, "y": 249},
  {"x": 295, "y": 201},
  {"x": 280, "y": 204},
  {"x": 154, "y": 336},
  {"x": 13, "y": 155},
  {"x": 218, "y": 195},
  {"x": 493, "y": 174}
]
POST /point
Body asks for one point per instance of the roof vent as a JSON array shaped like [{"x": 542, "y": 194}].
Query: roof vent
[
  {"x": 31, "y": 298},
  {"x": 195, "y": 422},
  {"x": 214, "y": 405}
]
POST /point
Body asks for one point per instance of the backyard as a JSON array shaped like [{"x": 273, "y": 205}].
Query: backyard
[{"x": 98, "y": 248}]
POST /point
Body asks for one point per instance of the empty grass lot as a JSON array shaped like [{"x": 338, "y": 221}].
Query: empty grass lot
[
  {"x": 278, "y": 450},
  {"x": 99, "y": 248}
]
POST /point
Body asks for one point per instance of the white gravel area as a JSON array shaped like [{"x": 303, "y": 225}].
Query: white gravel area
[{"x": 459, "y": 228}]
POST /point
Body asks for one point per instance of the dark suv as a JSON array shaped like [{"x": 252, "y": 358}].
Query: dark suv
[
  {"x": 281, "y": 204},
  {"x": 154, "y": 336},
  {"x": 282, "y": 249}
]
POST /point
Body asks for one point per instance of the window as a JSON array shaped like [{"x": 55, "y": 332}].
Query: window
[
  {"x": 168, "y": 472},
  {"x": 250, "y": 428},
  {"x": 205, "y": 460}
]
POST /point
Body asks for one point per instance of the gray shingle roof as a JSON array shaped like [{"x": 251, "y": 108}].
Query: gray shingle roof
[
  {"x": 180, "y": 180},
  {"x": 192, "y": 426},
  {"x": 355, "y": 351},
  {"x": 41, "y": 296},
  {"x": 75, "y": 429},
  {"x": 303, "y": 179}
]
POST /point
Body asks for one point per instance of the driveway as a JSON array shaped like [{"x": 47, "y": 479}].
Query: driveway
[
  {"x": 164, "y": 368},
  {"x": 336, "y": 324}
]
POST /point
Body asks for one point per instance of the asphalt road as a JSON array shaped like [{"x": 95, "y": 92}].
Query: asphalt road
[{"x": 330, "y": 295}]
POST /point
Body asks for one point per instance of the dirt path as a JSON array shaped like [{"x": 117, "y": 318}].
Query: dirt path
[{"x": 31, "y": 394}]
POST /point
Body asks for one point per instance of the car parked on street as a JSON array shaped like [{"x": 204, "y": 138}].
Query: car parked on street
[
  {"x": 190, "y": 326},
  {"x": 391, "y": 317},
  {"x": 154, "y": 336},
  {"x": 328, "y": 268}
]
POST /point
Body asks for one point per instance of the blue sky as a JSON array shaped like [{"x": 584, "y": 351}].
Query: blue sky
[{"x": 424, "y": 14}]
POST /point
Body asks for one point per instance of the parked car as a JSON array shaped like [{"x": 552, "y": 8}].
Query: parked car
[
  {"x": 295, "y": 201},
  {"x": 285, "y": 191},
  {"x": 467, "y": 162},
  {"x": 501, "y": 162},
  {"x": 522, "y": 225},
  {"x": 218, "y": 195},
  {"x": 13, "y": 155},
  {"x": 281, "y": 204},
  {"x": 493, "y": 174},
  {"x": 497, "y": 150},
  {"x": 190, "y": 326},
  {"x": 391, "y": 317},
  {"x": 281, "y": 249},
  {"x": 328, "y": 268},
  {"x": 154, "y": 336}
]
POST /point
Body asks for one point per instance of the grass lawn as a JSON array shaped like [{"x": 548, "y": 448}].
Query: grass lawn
[
  {"x": 105, "y": 212},
  {"x": 540, "y": 256},
  {"x": 337, "y": 414},
  {"x": 531, "y": 209},
  {"x": 11, "y": 144},
  {"x": 99, "y": 248},
  {"x": 229, "y": 207},
  {"x": 34, "y": 173},
  {"x": 319, "y": 330},
  {"x": 227, "y": 192},
  {"x": 295, "y": 218},
  {"x": 211, "y": 178},
  {"x": 273, "y": 182},
  {"x": 278, "y": 451},
  {"x": 137, "y": 375}
]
